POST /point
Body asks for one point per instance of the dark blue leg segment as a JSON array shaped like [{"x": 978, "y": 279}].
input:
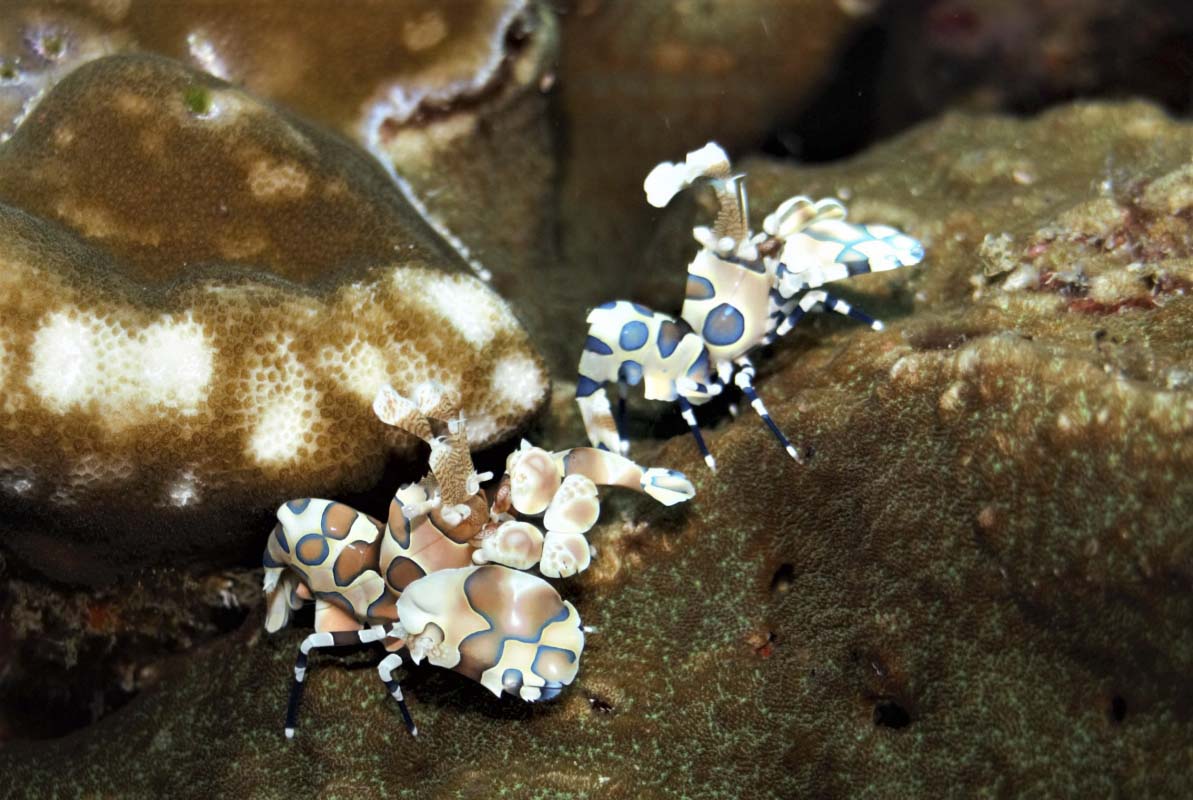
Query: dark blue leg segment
[
  {"x": 295, "y": 700},
  {"x": 386, "y": 670},
  {"x": 745, "y": 381},
  {"x": 841, "y": 307},
  {"x": 623, "y": 433},
  {"x": 689, "y": 417}
]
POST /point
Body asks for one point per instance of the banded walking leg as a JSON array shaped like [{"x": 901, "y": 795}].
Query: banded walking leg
[
  {"x": 831, "y": 303},
  {"x": 386, "y": 671},
  {"x": 689, "y": 416},
  {"x": 321, "y": 640},
  {"x": 745, "y": 381}
]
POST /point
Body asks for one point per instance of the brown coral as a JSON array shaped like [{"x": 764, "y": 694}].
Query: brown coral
[
  {"x": 450, "y": 96},
  {"x": 201, "y": 296}
]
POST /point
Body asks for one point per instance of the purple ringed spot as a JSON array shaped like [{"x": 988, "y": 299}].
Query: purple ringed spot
[
  {"x": 402, "y": 572},
  {"x": 511, "y": 680},
  {"x": 550, "y": 663},
  {"x": 279, "y": 535},
  {"x": 630, "y": 372},
  {"x": 633, "y": 335},
  {"x": 699, "y": 369},
  {"x": 337, "y": 520},
  {"x": 670, "y": 335},
  {"x": 312, "y": 549},
  {"x": 586, "y": 386},
  {"x": 400, "y": 533},
  {"x": 595, "y": 345},
  {"x": 724, "y": 325},
  {"x": 488, "y": 645},
  {"x": 298, "y": 506},
  {"x": 699, "y": 288}
]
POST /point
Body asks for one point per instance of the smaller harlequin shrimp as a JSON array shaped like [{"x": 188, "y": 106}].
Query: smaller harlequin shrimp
[{"x": 744, "y": 290}]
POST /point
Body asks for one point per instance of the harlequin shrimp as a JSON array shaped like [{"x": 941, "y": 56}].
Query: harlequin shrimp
[
  {"x": 744, "y": 290},
  {"x": 411, "y": 582},
  {"x": 423, "y": 578}
]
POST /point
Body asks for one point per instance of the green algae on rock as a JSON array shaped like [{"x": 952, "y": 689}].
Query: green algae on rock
[
  {"x": 201, "y": 296},
  {"x": 979, "y": 583}
]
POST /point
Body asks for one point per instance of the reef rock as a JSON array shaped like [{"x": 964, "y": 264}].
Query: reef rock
[
  {"x": 979, "y": 584},
  {"x": 201, "y": 294}
]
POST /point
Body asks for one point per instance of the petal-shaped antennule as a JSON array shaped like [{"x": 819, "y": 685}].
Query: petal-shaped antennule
[
  {"x": 575, "y": 507},
  {"x": 710, "y": 161},
  {"x": 437, "y": 401},
  {"x": 399, "y": 411},
  {"x": 796, "y": 213},
  {"x": 668, "y": 179},
  {"x": 664, "y": 182}
]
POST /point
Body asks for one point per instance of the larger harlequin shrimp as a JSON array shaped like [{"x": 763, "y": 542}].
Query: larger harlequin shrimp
[
  {"x": 744, "y": 290},
  {"x": 412, "y": 580}
]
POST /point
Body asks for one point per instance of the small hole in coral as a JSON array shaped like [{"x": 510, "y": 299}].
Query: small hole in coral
[
  {"x": 1118, "y": 708},
  {"x": 783, "y": 579},
  {"x": 600, "y": 705},
  {"x": 889, "y": 714}
]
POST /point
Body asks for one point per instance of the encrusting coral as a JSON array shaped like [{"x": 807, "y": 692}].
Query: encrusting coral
[
  {"x": 979, "y": 582},
  {"x": 201, "y": 295},
  {"x": 452, "y": 96}
]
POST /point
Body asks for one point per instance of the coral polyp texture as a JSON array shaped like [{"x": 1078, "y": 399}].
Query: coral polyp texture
[
  {"x": 979, "y": 585},
  {"x": 201, "y": 295},
  {"x": 447, "y": 95}
]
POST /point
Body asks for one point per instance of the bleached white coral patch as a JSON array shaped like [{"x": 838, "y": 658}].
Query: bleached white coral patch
[
  {"x": 284, "y": 396},
  {"x": 481, "y": 428},
  {"x": 175, "y": 364},
  {"x": 467, "y": 305},
  {"x": 518, "y": 380},
  {"x": 81, "y": 359},
  {"x": 278, "y": 436},
  {"x": 64, "y": 365}
]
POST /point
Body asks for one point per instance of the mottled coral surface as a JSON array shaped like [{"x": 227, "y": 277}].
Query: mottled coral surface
[
  {"x": 201, "y": 296},
  {"x": 978, "y": 585}
]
